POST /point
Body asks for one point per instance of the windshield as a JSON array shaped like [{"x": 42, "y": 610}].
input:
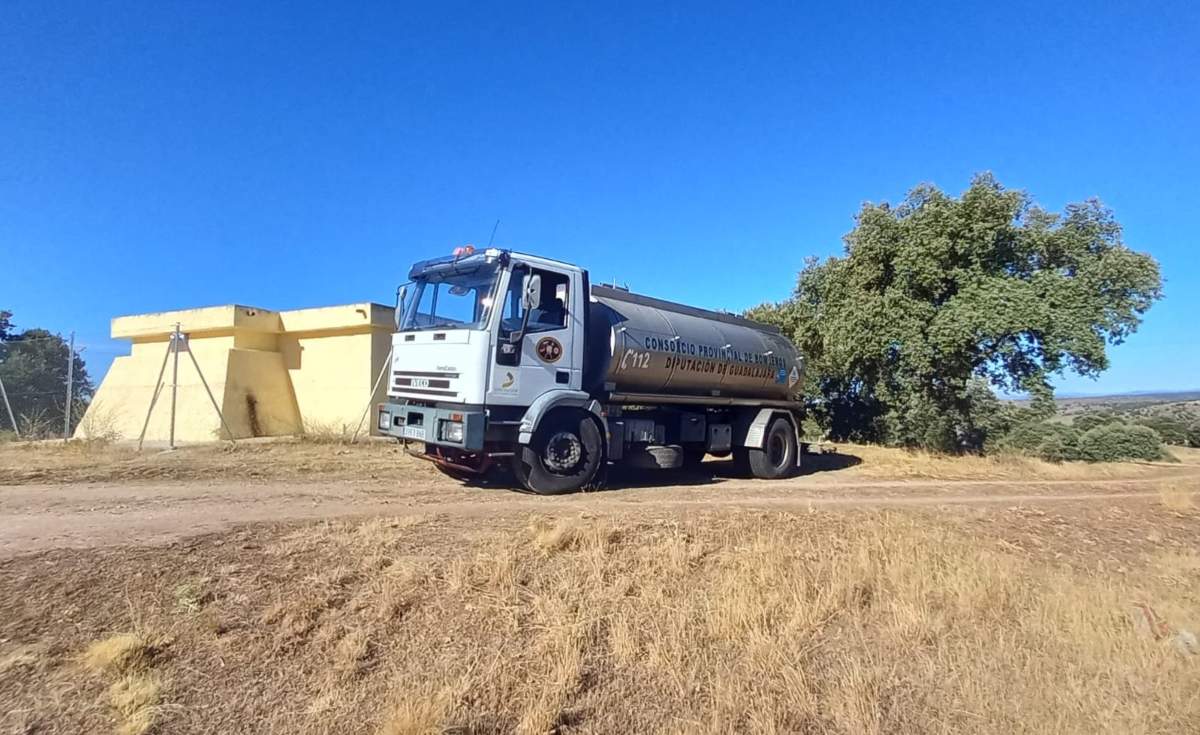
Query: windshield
[{"x": 451, "y": 299}]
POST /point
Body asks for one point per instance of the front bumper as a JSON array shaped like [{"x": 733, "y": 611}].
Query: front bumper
[{"x": 445, "y": 427}]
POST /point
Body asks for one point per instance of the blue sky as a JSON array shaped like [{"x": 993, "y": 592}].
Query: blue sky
[{"x": 164, "y": 155}]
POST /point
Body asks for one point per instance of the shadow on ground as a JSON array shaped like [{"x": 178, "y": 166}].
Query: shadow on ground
[
  {"x": 714, "y": 471},
  {"x": 827, "y": 462}
]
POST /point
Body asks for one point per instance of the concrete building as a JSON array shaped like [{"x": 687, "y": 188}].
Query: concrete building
[{"x": 272, "y": 372}]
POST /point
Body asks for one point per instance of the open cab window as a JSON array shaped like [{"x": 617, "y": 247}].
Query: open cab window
[{"x": 548, "y": 315}]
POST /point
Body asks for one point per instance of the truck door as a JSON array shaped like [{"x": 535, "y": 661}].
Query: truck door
[{"x": 550, "y": 353}]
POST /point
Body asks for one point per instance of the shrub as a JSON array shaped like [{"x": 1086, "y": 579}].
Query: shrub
[
  {"x": 1118, "y": 442},
  {"x": 1056, "y": 449},
  {"x": 1052, "y": 442},
  {"x": 1172, "y": 430},
  {"x": 1092, "y": 419}
]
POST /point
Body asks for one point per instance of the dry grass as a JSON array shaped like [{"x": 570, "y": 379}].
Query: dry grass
[
  {"x": 766, "y": 624},
  {"x": 717, "y": 623},
  {"x": 1185, "y": 455},
  {"x": 121, "y": 653},
  {"x": 551, "y": 536},
  {"x": 99, "y": 461},
  {"x": 900, "y": 464},
  {"x": 99, "y": 425},
  {"x": 422, "y": 710},
  {"x": 19, "y": 658},
  {"x": 326, "y": 453},
  {"x": 127, "y": 660},
  {"x": 1177, "y": 496},
  {"x": 135, "y": 697},
  {"x": 330, "y": 433}
]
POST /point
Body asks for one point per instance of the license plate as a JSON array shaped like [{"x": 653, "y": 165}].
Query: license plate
[{"x": 413, "y": 432}]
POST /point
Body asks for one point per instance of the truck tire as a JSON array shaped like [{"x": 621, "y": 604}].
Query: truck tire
[
  {"x": 777, "y": 458},
  {"x": 563, "y": 456}
]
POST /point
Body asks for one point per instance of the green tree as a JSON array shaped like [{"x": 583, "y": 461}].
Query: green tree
[
  {"x": 939, "y": 292},
  {"x": 33, "y": 366}
]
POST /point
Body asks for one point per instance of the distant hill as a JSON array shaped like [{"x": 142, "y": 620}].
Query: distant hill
[
  {"x": 1175, "y": 415},
  {"x": 1157, "y": 395},
  {"x": 1124, "y": 400},
  {"x": 1131, "y": 402},
  {"x": 1179, "y": 409}
]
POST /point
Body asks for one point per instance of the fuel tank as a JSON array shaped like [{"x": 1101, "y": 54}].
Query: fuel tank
[{"x": 639, "y": 344}]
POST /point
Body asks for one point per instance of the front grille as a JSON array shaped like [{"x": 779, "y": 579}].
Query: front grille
[{"x": 424, "y": 383}]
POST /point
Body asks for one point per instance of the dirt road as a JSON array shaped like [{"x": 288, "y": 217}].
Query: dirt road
[{"x": 36, "y": 518}]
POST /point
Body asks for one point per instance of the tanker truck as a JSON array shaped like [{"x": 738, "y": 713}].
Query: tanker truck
[{"x": 502, "y": 359}]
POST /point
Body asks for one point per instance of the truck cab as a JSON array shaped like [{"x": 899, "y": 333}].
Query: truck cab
[
  {"x": 472, "y": 325},
  {"x": 480, "y": 338}
]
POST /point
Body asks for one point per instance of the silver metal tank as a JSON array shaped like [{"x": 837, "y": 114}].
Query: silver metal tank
[{"x": 641, "y": 345}]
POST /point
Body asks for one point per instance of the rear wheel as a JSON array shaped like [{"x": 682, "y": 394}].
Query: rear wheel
[
  {"x": 777, "y": 458},
  {"x": 564, "y": 455}
]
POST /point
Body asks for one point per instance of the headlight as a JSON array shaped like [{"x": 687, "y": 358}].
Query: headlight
[
  {"x": 385, "y": 419},
  {"x": 452, "y": 431}
]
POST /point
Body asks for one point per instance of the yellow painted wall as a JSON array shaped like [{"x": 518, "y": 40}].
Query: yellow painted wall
[{"x": 272, "y": 373}]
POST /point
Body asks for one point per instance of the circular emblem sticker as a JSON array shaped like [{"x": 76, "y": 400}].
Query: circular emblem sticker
[{"x": 548, "y": 349}]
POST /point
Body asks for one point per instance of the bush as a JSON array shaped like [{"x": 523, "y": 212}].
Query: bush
[
  {"x": 1043, "y": 439},
  {"x": 1119, "y": 442},
  {"x": 1056, "y": 449},
  {"x": 1088, "y": 421},
  {"x": 1172, "y": 430}
]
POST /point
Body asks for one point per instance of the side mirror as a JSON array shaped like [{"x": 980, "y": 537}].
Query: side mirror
[
  {"x": 401, "y": 293},
  {"x": 532, "y": 295}
]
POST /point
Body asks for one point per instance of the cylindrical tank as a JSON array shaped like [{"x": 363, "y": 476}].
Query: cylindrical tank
[{"x": 637, "y": 344}]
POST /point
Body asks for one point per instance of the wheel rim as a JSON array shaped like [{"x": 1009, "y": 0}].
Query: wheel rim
[
  {"x": 777, "y": 450},
  {"x": 563, "y": 452}
]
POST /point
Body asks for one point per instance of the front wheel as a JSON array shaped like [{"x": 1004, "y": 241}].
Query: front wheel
[{"x": 564, "y": 455}]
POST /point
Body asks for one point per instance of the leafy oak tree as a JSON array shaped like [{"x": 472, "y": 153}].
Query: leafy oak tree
[{"x": 940, "y": 300}]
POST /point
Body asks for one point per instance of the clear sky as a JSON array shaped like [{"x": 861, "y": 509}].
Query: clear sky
[{"x": 161, "y": 155}]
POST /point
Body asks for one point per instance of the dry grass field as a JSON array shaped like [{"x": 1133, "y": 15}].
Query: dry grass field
[
  {"x": 270, "y": 459},
  {"x": 249, "y": 459},
  {"x": 680, "y": 609},
  {"x": 887, "y": 463}
]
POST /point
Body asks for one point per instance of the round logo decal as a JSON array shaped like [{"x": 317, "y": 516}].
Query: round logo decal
[{"x": 548, "y": 349}]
